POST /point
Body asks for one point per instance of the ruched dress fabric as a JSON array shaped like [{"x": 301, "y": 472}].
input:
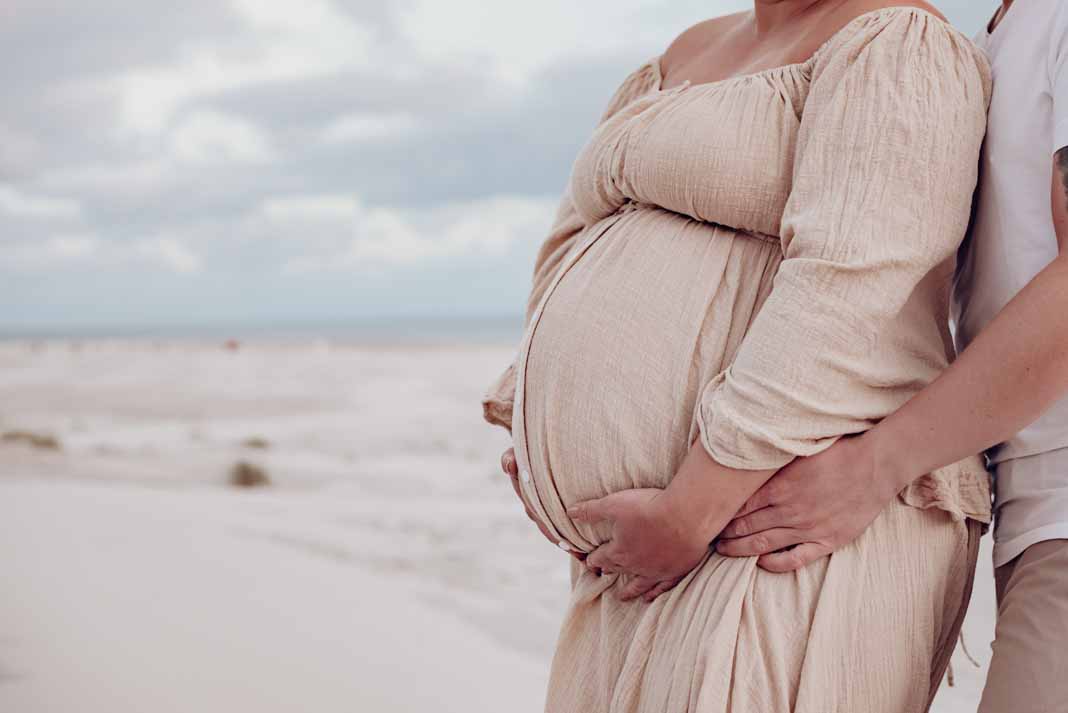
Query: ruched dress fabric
[{"x": 760, "y": 264}]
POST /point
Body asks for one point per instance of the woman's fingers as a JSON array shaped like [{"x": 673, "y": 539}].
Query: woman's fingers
[
  {"x": 511, "y": 468},
  {"x": 603, "y": 558},
  {"x": 592, "y": 510},
  {"x": 648, "y": 588},
  {"x": 590, "y": 563},
  {"x": 661, "y": 587},
  {"x": 794, "y": 559},
  {"x": 508, "y": 463},
  {"x": 636, "y": 586},
  {"x": 761, "y": 543}
]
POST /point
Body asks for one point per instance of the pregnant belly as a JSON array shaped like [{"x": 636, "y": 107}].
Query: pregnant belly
[{"x": 625, "y": 341}]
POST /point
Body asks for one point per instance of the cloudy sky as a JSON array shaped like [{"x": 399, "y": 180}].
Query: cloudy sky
[{"x": 259, "y": 161}]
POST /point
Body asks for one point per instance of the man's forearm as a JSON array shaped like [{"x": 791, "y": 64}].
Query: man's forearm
[
  {"x": 1004, "y": 380},
  {"x": 1013, "y": 371}
]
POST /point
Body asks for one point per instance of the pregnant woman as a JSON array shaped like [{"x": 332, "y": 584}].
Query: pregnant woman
[{"x": 751, "y": 260}]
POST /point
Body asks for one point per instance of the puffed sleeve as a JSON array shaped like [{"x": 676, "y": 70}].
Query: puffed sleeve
[
  {"x": 498, "y": 399},
  {"x": 883, "y": 178}
]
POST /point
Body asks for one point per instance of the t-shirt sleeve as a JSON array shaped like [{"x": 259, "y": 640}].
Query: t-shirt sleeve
[
  {"x": 499, "y": 398},
  {"x": 1058, "y": 76},
  {"x": 885, "y": 169}
]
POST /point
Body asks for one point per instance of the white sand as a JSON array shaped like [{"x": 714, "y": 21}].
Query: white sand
[
  {"x": 125, "y": 599},
  {"x": 388, "y": 567}
]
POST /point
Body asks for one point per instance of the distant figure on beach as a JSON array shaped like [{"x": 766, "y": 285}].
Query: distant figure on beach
[{"x": 753, "y": 258}]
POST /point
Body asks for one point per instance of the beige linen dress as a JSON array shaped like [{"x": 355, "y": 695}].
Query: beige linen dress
[{"x": 761, "y": 263}]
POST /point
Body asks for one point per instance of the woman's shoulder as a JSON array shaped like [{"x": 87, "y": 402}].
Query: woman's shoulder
[
  {"x": 865, "y": 20},
  {"x": 891, "y": 34},
  {"x": 898, "y": 50},
  {"x": 841, "y": 15},
  {"x": 840, "y": 20}
]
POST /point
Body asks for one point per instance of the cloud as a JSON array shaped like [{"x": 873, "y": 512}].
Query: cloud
[
  {"x": 355, "y": 236},
  {"x": 249, "y": 144},
  {"x": 171, "y": 254},
  {"x": 213, "y": 137},
  {"x": 72, "y": 247},
  {"x": 19, "y": 150},
  {"x": 48, "y": 252},
  {"x": 277, "y": 43},
  {"x": 516, "y": 40},
  {"x": 20, "y": 204},
  {"x": 309, "y": 210},
  {"x": 355, "y": 128},
  {"x": 85, "y": 249},
  {"x": 102, "y": 181}
]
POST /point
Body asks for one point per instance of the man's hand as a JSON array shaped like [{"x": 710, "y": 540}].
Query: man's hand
[
  {"x": 814, "y": 505},
  {"x": 647, "y": 542},
  {"x": 1013, "y": 371}
]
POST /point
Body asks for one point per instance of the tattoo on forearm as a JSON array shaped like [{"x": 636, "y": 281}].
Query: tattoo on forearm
[{"x": 1062, "y": 166}]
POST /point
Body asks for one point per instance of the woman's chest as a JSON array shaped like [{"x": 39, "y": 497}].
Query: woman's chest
[{"x": 719, "y": 153}]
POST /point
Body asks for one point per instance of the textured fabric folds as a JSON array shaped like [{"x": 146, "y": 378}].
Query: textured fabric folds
[
  {"x": 881, "y": 197},
  {"x": 761, "y": 264}
]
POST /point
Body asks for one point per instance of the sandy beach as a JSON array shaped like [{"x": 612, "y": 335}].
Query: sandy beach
[{"x": 385, "y": 567}]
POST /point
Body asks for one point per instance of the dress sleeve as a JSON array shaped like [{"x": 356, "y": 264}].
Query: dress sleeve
[
  {"x": 497, "y": 401},
  {"x": 884, "y": 174}
]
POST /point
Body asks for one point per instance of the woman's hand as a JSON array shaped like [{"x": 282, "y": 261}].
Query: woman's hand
[
  {"x": 511, "y": 469},
  {"x": 659, "y": 536},
  {"x": 648, "y": 542}
]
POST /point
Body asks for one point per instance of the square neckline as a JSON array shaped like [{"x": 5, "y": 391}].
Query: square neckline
[{"x": 655, "y": 62}]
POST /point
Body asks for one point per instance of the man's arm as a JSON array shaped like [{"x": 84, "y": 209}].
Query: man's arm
[
  {"x": 1013, "y": 371},
  {"x": 1008, "y": 376}
]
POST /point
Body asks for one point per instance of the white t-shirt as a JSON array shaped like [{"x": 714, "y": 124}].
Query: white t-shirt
[{"x": 1012, "y": 239}]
